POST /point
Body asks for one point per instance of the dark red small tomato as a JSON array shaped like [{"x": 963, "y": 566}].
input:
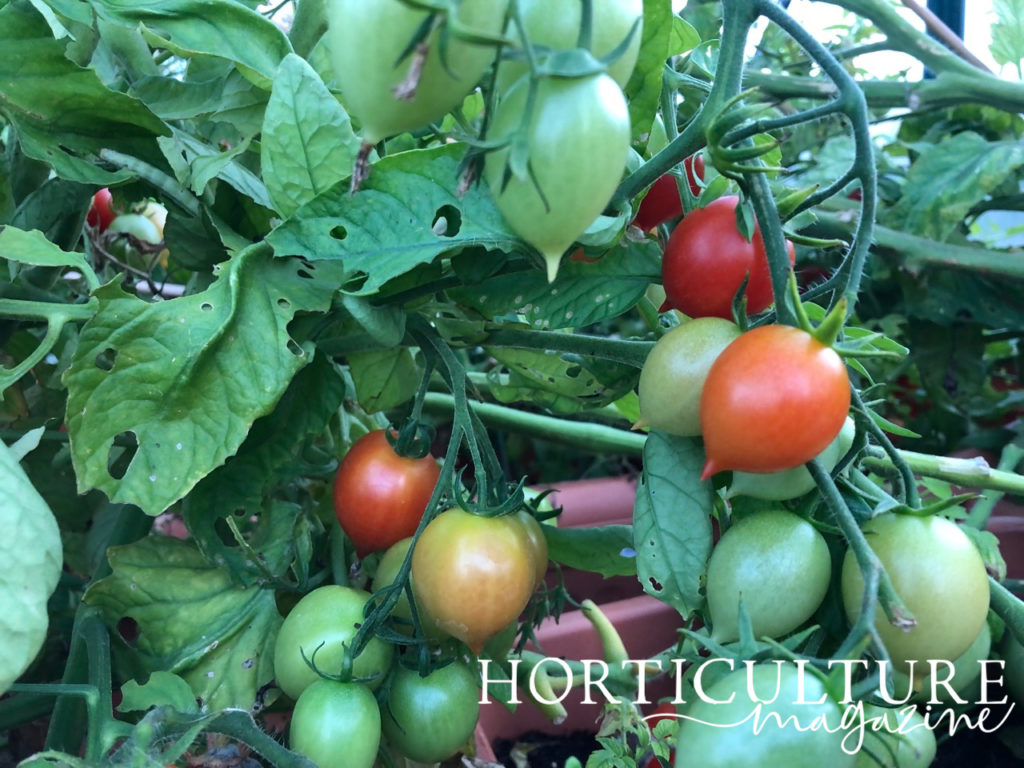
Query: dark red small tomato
[
  {"x": 379, "y": 496},
  {"x": 774, "y": 399},
  {"x": 662, "y": 201},
  {"x": 706, "y": 259},
  {"x": 101, "y": 212}
]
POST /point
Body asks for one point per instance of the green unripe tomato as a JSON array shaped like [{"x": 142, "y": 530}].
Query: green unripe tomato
[
  {"x": 336, "y": 725},
  {"x": 891, "y": 743},
  {"x": 577, "y": 141},
  {"x": 937, "y": 571},
  {"x": 323, "y": 621},
  {"x": 367, "y": 41},
  {"x": 428, "y": 718},
  {"x": 555, "y": 24},
  {"x": 387, "y": 569},
  {"x": 673, "y": 375},
  {"x": 136, "y": 224},
  {"x": 966, "y": 675},
  {"x": 706, "y": 739},
  {"x": 790, "y": 483},
  {"x": 779, "y": 565}
]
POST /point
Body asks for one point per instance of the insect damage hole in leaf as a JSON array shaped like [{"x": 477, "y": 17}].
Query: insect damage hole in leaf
[
  {"x": 447, "y": 221},
  {"x": 339, "y": 232},
  {"x": 122, "y": 451},
  {"x": 105, "y": 360},
  {"x": 128, "y": 629},
  {"x": 295, "y": 348}
]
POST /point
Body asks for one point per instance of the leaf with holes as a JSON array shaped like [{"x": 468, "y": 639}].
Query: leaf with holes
[
  {"x": 407, "y": 213},
  {"x": 180, "y": 382},
  {"x": 579, "y": 296},
  {"x": 672, "y": 521},
  {"x": 307, "y": 142},
  {"x": 31, "y": 554},
  {"x": 561, "y": 383},
  {"x": 385, "y": 378},
  {"x": 604, "y": 549},
  {"x": 179, "y": 613}
]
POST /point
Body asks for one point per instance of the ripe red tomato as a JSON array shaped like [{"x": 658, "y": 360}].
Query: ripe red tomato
[
  {"x": 662, "y": 201},
  {"x": 772, "y": 401},
  {"x": 706, "y": 259},
  {"x": 101, "y": 212},
  {"x": 473, "y": 574},
  {"x": 379, "y": 496}
]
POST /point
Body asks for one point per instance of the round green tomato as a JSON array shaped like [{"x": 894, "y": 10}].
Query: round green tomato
[
  {"x": 387, "y": 570},
  {"x": 577, "y": 141},
  {"x": 721, "y": 735},
  {"x": 778, "y": 564},
  {"x": 937, "y": 571},
  {"x": 894, "y": 739},
  {"x": 966, "y": 680},
  {"x": 323, "y": 621},
  {"x": 790, "y": 483},
  {"x": 673, "y": 375},
  {"x": 336, "y": 725},
  {"x": 368, "y": 41},
  {"x": 428, "y": 718},
  {"x": 136, "y": 224},
  {"x": 555, "y": 24}
]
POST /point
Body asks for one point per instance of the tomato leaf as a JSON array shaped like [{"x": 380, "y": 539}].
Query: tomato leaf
[
  {"x": 307, "y": 142},
  {"x": 32, "y": 555},
  {"x": 192, "y": 619},
  {"x": 579, "y": 296},
  {"x": 168, "y": 372},
  {"x": 385, "y": 378},
  {"x": 606, "y": 549},
  {"x": 213, "y": 27},
  {"x": 672, "y": 521},
  {"x": 162, "y": 689},
  {"x": 643, "y": 91},
  {"x": 950, "y": 178},
  {"x": 33, "y": 248},
  {"x": 387, "y": 228}
]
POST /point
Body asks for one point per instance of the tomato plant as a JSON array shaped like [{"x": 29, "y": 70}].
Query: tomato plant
[
  {"x": 137, "y": 225},
  {"x": 777, "y": 564},
  {"x": 336, "y": 725},
  {"x": 576, "y": 142},
  {"x": 772, "y": 401},
  {"x": 379, "y": 496},
  {"x": 707, "y": 258},
  {"x": 937, "y": 572},
  {"x": 473, "y": 574},
  {"x": 428, "y": 718},
  {"x": 101, "y": 211},
  {"x": 674, "y": 373},
  {"x": 387, "y": 570},
  {"x": 703, "y": 732},
  {"x": 369, "y": 48},
  {"x": 662, "y": 202},
  {"x": 317, "y": 629},
  {"x": 555, "y": 24},
  {"x": 664, "y": 712}
]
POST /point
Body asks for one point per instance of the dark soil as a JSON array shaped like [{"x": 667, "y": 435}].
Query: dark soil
[{"x": 544, "y": 750}]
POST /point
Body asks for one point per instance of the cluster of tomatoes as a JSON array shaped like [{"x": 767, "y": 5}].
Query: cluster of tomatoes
[
  {"x": 133, "y": 236},
  {"x": 471, "y": 576}
]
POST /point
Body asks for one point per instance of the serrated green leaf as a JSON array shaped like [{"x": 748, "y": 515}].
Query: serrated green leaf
[
  {"x": 192, "y": 619},
  {"x": 33, "y": 248},
  {"x": 643, "y": 91},
  {"x": 606, "y": 549},
  {"x": 220, "y": 28},
  {"x": 385, "y": 378},
  {"x": 187, "y": 377},
  {"x": 63, "y": 112},
  {"x": 1008, "y": 32},
  {"x": 307, "y": 142},
  {"x": 672, "y": 522},
  {"x": 197, "y": 164},
  {"x": 160, "y": 690},
  {"x": 950, "y": 178},
  {"x": 684, "y": 37},
  {"x": 387, "y": 227},
  {"x": 584, "y": 292},
  {"x": 32, "y": 556}
]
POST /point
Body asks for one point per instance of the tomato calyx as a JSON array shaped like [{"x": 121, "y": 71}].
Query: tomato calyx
[{"x": 412, "y": 440}]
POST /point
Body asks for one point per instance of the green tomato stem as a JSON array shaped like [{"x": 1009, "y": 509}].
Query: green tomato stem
[
  {"x": 1008, "y": 607},
  {"x": 1011, "y": 456},
  {"x": 972, "y": 473},
  {"x": 597, "y": 438}
]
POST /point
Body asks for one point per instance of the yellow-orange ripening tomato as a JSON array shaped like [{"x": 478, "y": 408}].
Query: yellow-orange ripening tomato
[
  {"x": 473, "y": 574},
  {"x": 772, "y": 401}
]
